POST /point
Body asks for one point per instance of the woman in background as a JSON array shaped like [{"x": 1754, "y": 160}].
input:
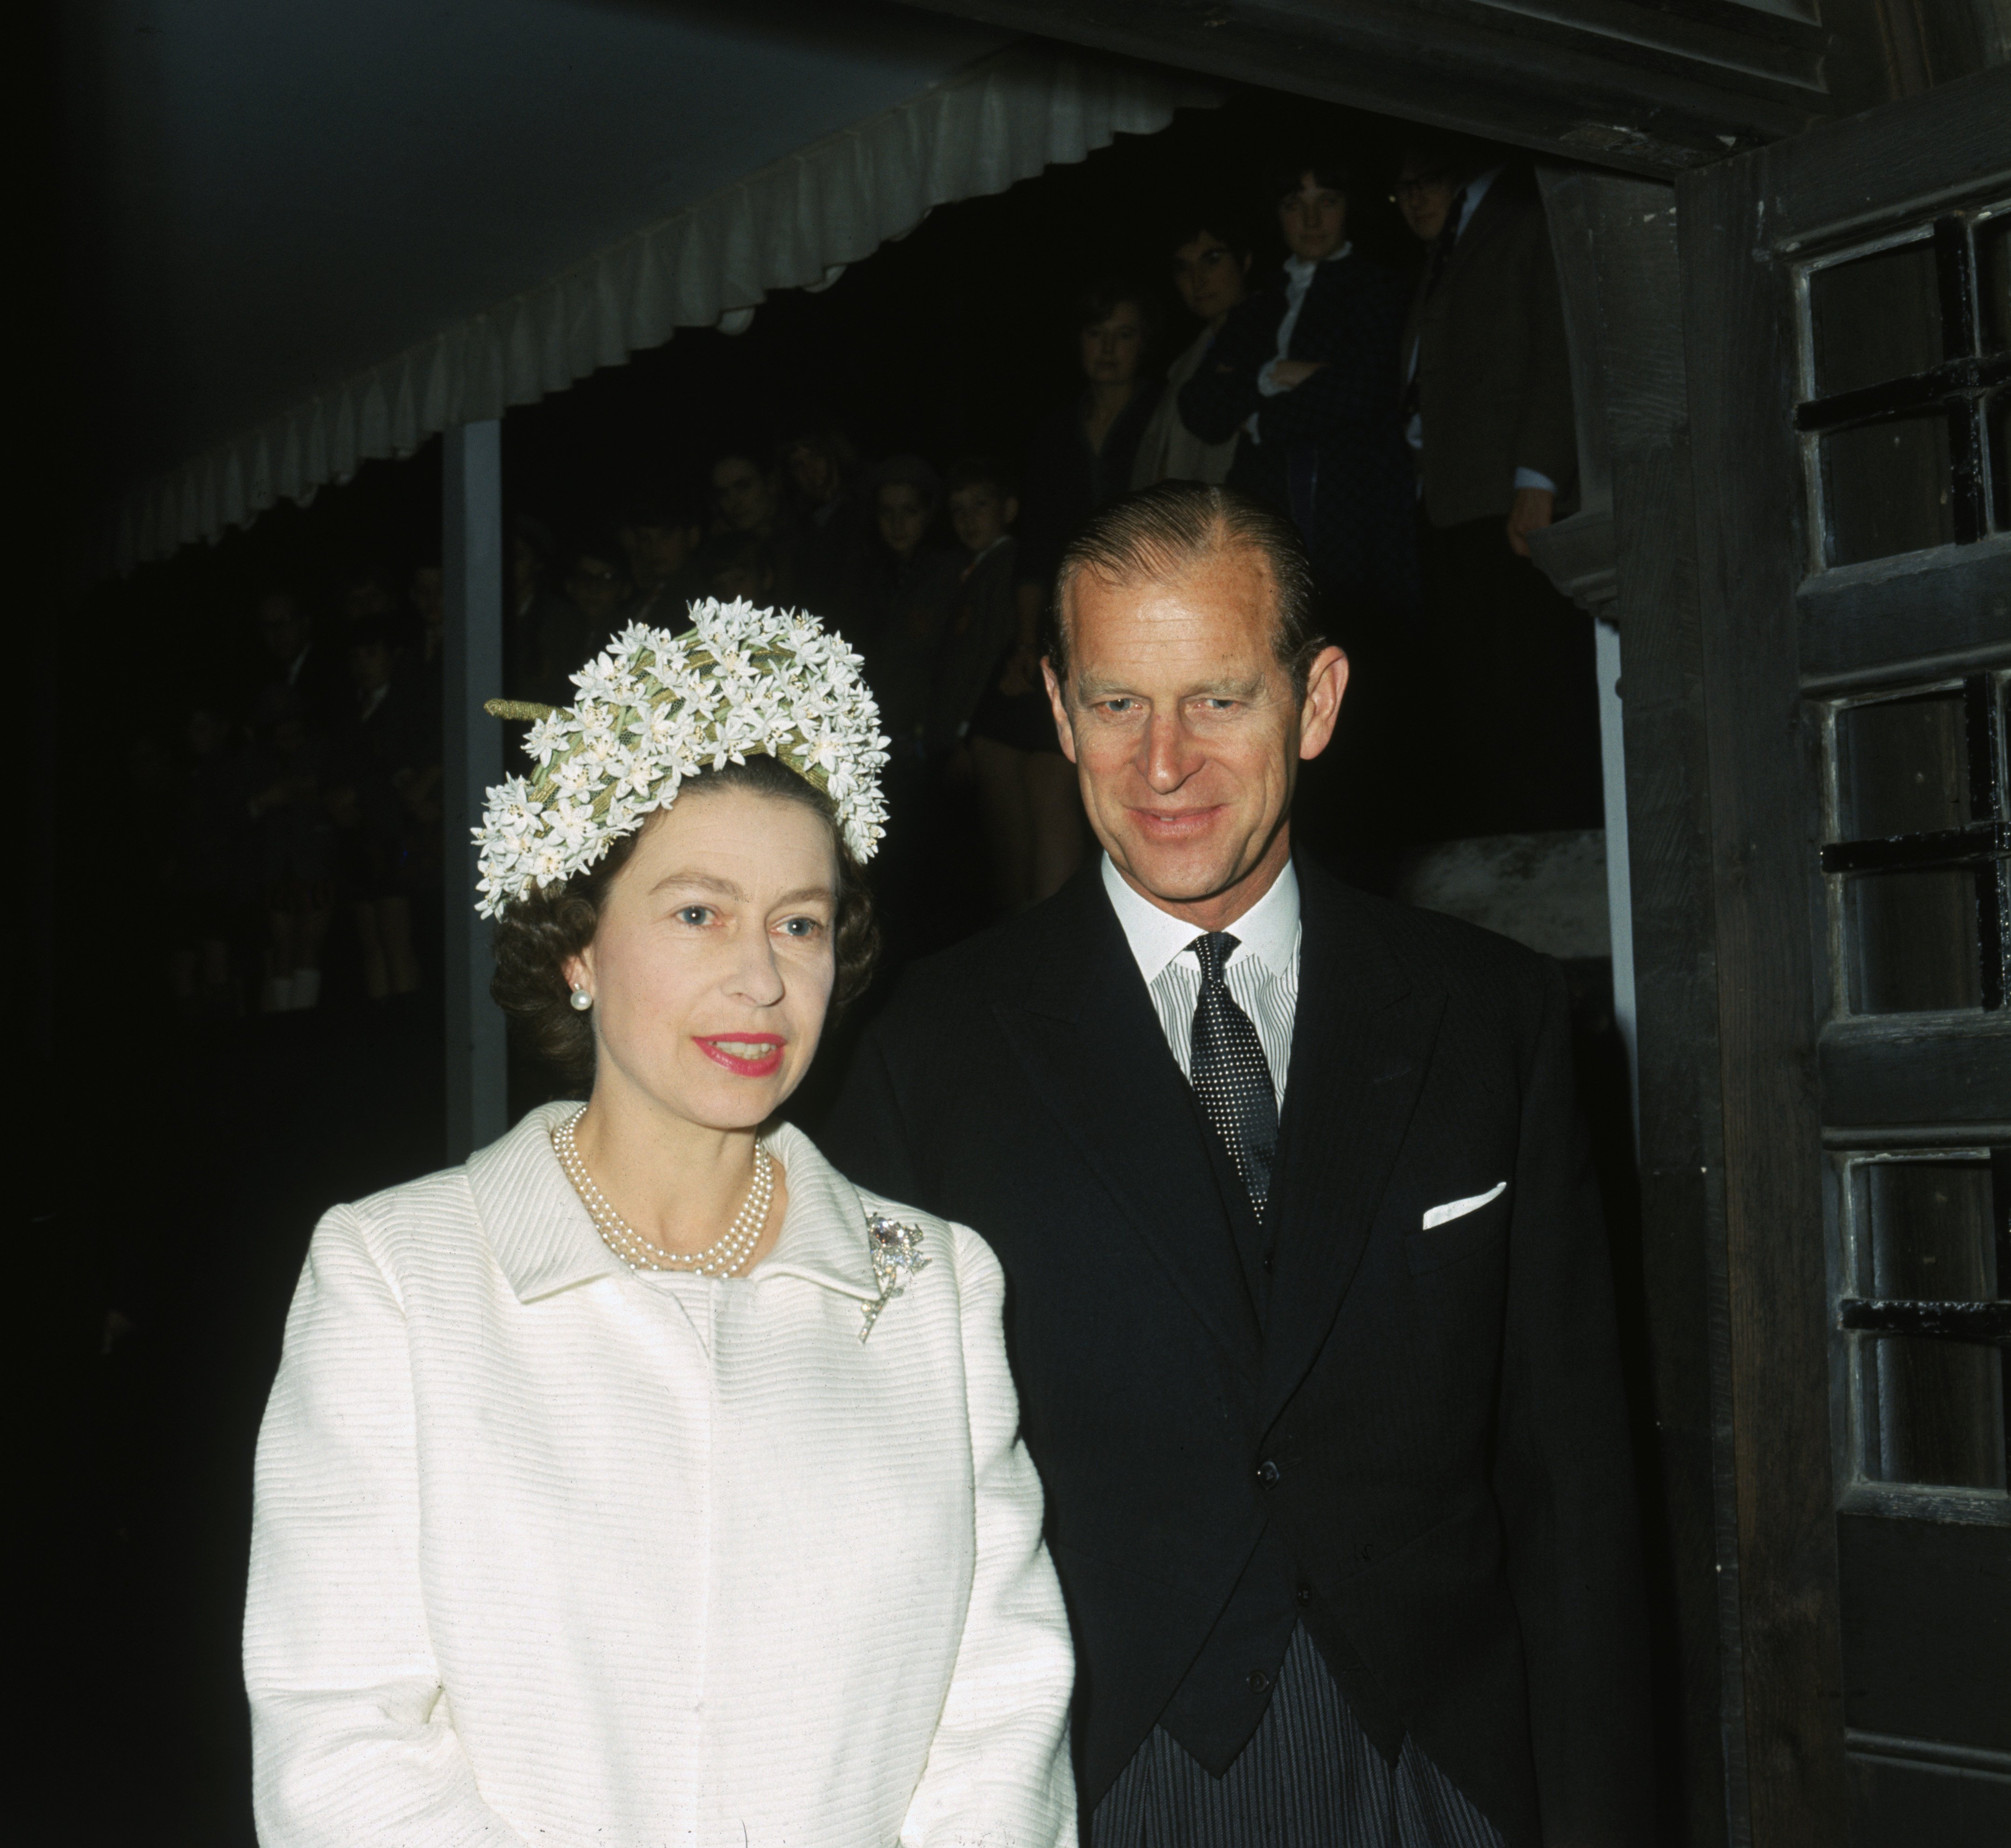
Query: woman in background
[{"x": 1211, "y": 254}]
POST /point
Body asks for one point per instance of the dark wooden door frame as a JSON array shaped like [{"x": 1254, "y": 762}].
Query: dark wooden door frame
[
  {"x": 1742, "y": 222},
  {"x": 1631, "y": 555}
]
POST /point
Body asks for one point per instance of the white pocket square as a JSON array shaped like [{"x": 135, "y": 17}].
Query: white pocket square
[{"x": 1459, "y": 1209}]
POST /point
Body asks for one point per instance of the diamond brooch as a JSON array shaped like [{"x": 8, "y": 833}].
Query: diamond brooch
[{"x": 897, "y": 1255}]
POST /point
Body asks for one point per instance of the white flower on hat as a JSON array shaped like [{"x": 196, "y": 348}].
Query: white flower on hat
[{"x": 655, "y": 708}]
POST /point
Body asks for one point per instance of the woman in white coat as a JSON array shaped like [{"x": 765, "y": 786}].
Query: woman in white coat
[{"x": 642, "y": 1481}]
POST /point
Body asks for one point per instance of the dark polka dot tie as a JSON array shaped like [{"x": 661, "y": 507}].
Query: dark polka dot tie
[{"x": 1231, "y": 1076}]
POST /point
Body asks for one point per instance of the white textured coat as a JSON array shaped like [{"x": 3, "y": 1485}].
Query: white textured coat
[{"x": 548, "y": 1551}]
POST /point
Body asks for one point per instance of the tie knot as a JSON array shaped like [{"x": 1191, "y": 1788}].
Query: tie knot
[{"x": 1211, "y": 951}]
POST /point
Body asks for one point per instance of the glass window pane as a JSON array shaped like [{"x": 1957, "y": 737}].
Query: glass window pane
[
  {"x": 1935, "y": 1414},
  {"x": 1930, "y": 1233},
  {"x": 1902, "y": 767},
  {"x": 1886, "y": 489},
  {"x": 1910, "y": 941},
  {"x": 1993, "y": 282},
  {"x": 1875, "y": 318},
  {"x": 1997, "y": 423}
]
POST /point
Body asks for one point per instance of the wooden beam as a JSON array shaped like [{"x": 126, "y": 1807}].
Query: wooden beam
[
  {"x": 1763, "y": 786},
  {"x": 1615, "y": 239},
  {"x": 1648, "y": 89},
  {"x": 471, "y": 756}
]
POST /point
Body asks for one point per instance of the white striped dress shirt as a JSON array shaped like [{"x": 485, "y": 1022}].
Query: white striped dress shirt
[{"x": 1262, "y": 972}]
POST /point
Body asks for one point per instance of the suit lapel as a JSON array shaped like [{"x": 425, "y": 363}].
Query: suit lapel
[
  {"x": 1488, "y": 219},
  {"x": 1360, "y": 1043},
  {"x": 1125, "y": 1106}
]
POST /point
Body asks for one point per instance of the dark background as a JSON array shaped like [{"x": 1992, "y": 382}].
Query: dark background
[
  {"x": 956, "y": 339},
  {"x": 175, "y": 1173}
]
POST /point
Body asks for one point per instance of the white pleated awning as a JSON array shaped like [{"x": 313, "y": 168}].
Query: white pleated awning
[{"x": 302, "y": 399}]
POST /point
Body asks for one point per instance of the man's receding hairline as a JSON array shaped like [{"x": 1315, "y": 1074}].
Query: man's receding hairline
[{"x": 1139, "y": 562}]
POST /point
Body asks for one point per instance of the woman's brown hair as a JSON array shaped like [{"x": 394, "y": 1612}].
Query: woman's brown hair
[{"x": 540, "y": 932}]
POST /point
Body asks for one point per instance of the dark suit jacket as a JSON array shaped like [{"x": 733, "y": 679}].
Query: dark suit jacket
[
  {"x": 983, "y": 627},
  {"x": 1441, "y": 1408},
  {"x": 1493, "y": 367},
  {"x": 1343, "y": 421}
]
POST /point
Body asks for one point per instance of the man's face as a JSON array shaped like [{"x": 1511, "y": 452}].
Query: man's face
[
  {"x": 813, "y": 472},
  {"x": 740, "y": 492},
  {"x": 1314, "y": 219},
  {"x": 1183, "y": 727},
  {"x": 597, "y": 586},
  {"x": 904, "y": 514},
  {"x": 283, "y": 625},
  {"x": 1424, "y": 195},
  {"x": 657, "y": 554},
  {"x": 429, "y": 595},
  {"x": 367, "y": 598},
  {"x": 370, "y": 665},
  {"x": 742, "y": 578},
  {"x": 980, "y": 513},
  {"x": 1111, "y": 347},
  {"x": 1210, "y": 276}
]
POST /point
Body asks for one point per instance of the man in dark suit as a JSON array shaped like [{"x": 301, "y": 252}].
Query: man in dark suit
[
  {"x": 1487, "y": 399},
  {"x": 314, "y": 676},
  {"x": 1309, "y": 1297},
  {"x": 1307, "y": 372}
]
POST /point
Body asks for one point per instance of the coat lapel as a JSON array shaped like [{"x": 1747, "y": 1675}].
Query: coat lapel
[
  {"x": 1488, "y": 216},
  {"x": 1360, "y": 1043},
  {"x": 1126, "y": 1107},
  {"x": 1487, "y": 219}
]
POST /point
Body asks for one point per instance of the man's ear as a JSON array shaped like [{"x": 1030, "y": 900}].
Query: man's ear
[
  {"x": 1011, "y": 509},
  {"x": 1063, "y": 730},
  {"x": 1325, "y": 683}
]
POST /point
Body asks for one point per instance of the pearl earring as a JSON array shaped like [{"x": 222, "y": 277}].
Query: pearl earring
[{"x": 581, "y": 1000}]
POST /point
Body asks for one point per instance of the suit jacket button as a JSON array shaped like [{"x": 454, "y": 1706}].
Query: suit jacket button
[
  {"x": 1267, "y": 1472},
  {"x": 1260, "y": 1682},
  {"x": 1304, "y": 1594}
]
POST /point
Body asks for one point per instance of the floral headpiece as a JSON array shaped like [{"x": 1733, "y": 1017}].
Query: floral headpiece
[{"x": 657, "y": 708}]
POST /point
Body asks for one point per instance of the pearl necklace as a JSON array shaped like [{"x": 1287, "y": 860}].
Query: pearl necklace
[{"x": 722, "y": 1259}]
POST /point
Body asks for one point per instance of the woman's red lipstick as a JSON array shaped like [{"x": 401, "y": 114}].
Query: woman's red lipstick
[{"x": 765, "y": 1064}]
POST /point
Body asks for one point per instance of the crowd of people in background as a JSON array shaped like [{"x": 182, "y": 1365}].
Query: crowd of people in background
[{"x": 1418, "y": 429}]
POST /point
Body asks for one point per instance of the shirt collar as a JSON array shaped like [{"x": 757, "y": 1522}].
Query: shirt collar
[
  {"x": 1300, "y": 270},
  {"x": 545, "y": 1241},
  {"x": 1268, "y": 931},
  {"x": 1476, "y": 190},
  {"x": 978, "y": 558}
]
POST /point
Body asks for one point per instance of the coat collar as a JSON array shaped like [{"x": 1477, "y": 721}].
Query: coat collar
[{"x": 544, "y": 1242}]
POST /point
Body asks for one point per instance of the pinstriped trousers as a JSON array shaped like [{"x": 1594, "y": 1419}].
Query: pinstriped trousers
[{"x": 1309, "y": 1778}]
